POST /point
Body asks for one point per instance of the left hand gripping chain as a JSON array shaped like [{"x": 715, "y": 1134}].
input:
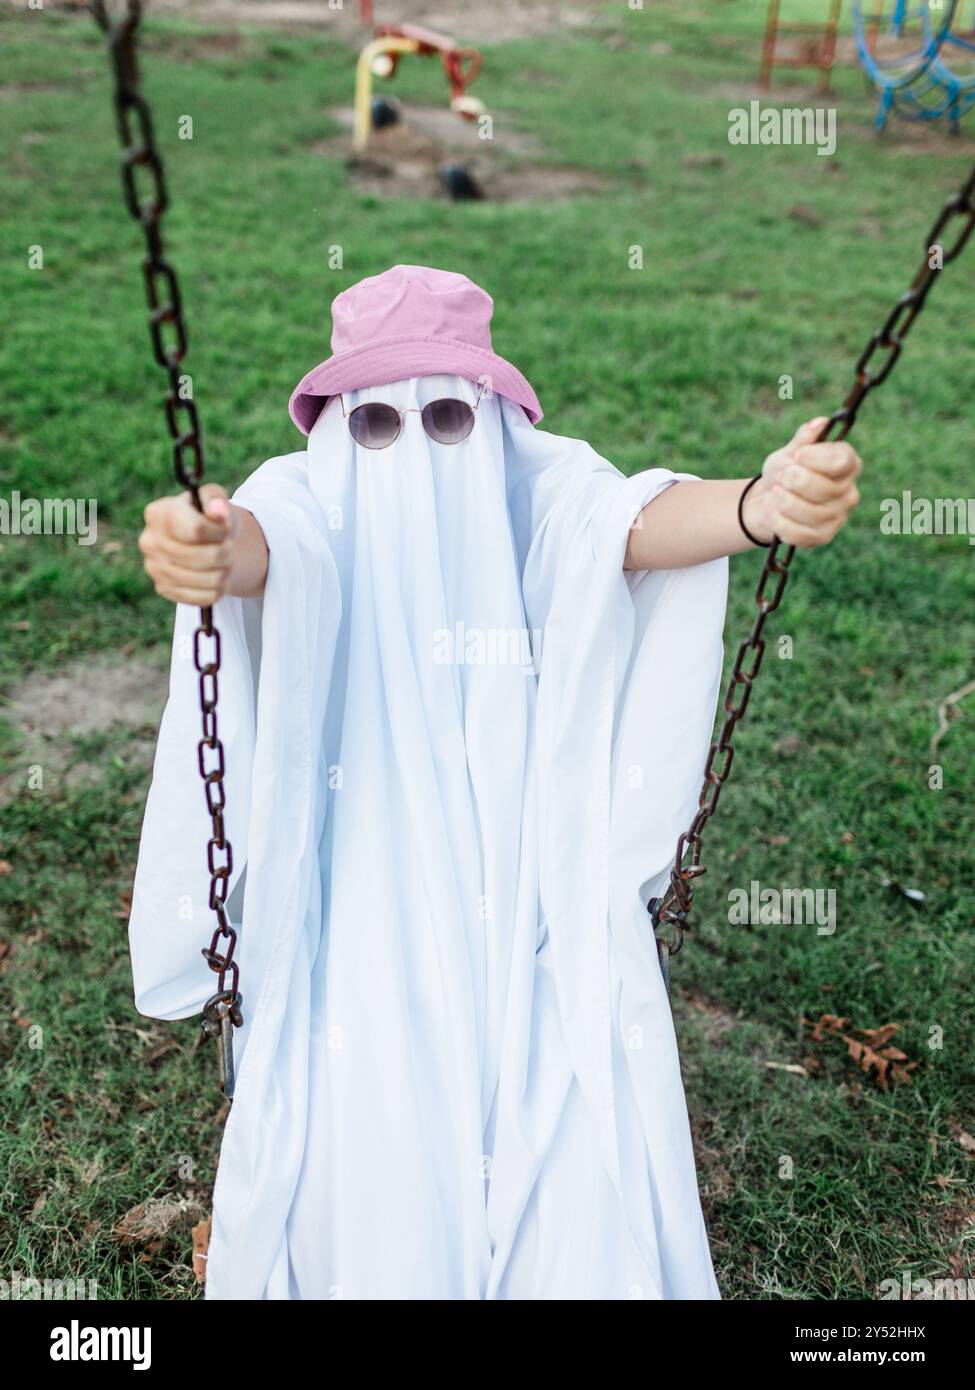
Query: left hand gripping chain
[{"x": 222, "y": 1012}]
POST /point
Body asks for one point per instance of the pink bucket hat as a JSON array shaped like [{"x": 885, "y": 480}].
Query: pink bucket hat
[{"x": 410, "y": 321}]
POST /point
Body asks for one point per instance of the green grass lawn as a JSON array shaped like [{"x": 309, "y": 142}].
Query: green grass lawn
[{"x": 677, "y": 364}]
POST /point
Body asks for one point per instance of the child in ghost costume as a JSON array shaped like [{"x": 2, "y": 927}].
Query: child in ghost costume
[{"x": 469, "y": 672}]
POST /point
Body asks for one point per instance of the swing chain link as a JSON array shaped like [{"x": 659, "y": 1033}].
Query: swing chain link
[
  {"x": 167, "y": 330},
  {"x": 165, "y": 306},
  {"x": 674, "y": 908}
]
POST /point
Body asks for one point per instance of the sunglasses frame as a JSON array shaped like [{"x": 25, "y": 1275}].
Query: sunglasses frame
[{"x": 412, "y": 410}]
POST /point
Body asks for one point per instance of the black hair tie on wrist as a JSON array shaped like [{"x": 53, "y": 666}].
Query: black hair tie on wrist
[{"x": 741, "y": 514}]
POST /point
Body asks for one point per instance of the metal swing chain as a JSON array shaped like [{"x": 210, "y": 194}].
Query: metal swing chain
[
  {"x": 675, "y": 906},
  {"x": 222, "y": 1012}
]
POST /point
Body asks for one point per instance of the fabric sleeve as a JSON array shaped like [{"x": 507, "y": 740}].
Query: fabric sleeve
[{"x": 171, "y": 919}]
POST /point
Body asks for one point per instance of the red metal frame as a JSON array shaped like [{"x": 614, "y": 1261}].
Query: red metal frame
[
  {"x": 825, "y": 56},
  {"x": 460, "y": 64}
]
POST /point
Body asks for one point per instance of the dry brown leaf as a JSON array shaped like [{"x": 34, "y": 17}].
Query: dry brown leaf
[
  {"x": 201, "y": 1245},
  {"x": 903, "y": 1074},
  {"x": 870, "y": 1050},
  {"x": 828, "y": 1021},
  {"x": 876, "y": 1037}
]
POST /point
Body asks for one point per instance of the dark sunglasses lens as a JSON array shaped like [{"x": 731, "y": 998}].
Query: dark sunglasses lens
[
  {"x": 447, "y": 421},
  {"x": 374, "y": 425}
]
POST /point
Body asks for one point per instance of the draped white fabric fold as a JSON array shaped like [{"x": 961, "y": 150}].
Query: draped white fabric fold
[{"x": 461, "y": 743}]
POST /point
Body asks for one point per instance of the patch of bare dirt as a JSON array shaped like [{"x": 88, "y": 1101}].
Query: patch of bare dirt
[
  {"x": 714, "y": 1018},
  {"x": 90, "y": 696},
  {"x": 442, "y": 126},
  {"x": 187, "y": 47},
  {"x": 905, "y": 136},
  {"x": 716, "y": 1182},
  {"x": 914, "y": 137},
  {"x": 13, "y": 91},
  {"x": 404, "y": 162},
  {"x": 783, "y": 92},
  {"x": 52, "y": 713},
  {"x": 494, "y": 23}
]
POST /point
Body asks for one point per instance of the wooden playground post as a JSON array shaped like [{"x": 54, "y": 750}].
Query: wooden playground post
[{"x": 825, "y": 56}]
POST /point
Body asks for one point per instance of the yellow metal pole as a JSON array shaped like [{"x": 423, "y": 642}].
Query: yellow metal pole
[{"x": 363, "y": 82}]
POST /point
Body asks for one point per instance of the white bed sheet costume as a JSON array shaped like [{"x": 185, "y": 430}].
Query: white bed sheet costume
[{"x": 461, "y": 743}]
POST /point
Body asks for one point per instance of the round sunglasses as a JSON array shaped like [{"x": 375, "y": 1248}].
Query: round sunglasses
[{"x": 376, "y": 425}]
